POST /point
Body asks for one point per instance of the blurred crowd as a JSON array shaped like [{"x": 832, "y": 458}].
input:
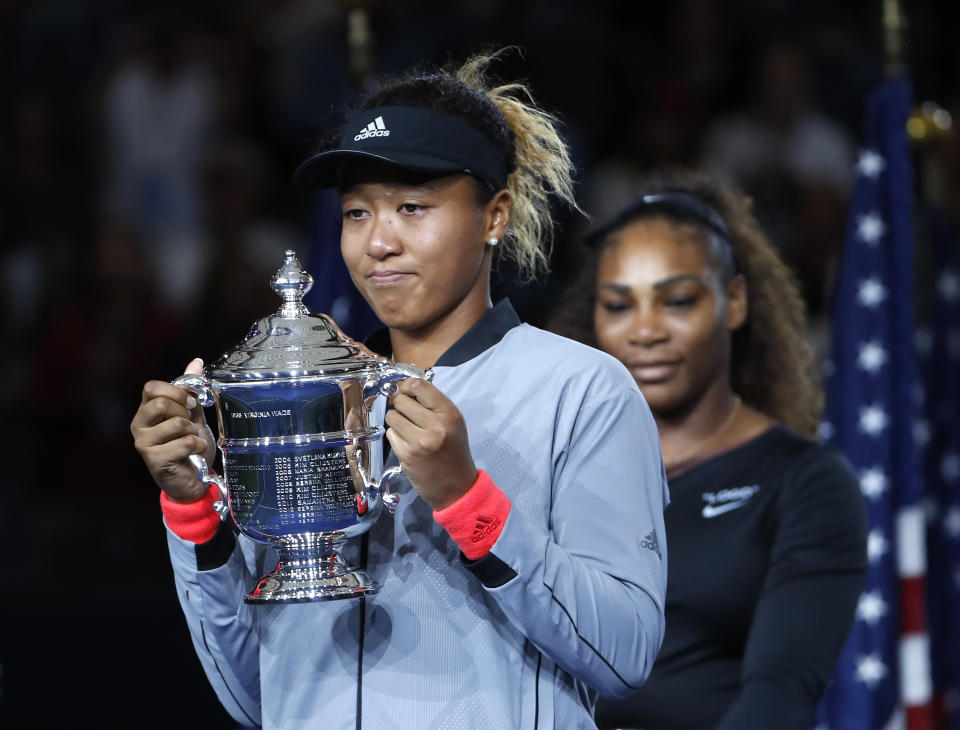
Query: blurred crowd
[{"x": 145, "y": 197}]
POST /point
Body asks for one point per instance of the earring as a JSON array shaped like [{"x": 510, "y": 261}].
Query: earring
[{"x": 493, "y": 241}]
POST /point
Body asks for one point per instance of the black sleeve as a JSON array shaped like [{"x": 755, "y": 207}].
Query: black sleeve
[{"x": 816, "y": 572}]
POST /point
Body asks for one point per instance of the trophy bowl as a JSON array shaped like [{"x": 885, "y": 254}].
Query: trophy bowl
[{"x": 294, "y": 403}]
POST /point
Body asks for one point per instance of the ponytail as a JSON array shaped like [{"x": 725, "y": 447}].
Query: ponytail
[{"x": 543, "y": 167}]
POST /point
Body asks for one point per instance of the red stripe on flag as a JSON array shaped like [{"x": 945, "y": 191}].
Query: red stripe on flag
[
  {"x": 912, "y": 607},
  {"x": 920, "y": 718}
]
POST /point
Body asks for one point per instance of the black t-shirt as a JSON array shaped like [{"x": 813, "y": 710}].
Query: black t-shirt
[{"x": 767, "y": 558}]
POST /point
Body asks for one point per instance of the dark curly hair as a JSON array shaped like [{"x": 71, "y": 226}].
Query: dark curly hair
[{"x": 772, "y": 365}]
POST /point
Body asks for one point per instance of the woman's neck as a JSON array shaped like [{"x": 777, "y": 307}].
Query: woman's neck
[
  {"x": 683, "y": 432},
  {"x": 424, "y": 345},
  {"x": 717, "y": 422}
]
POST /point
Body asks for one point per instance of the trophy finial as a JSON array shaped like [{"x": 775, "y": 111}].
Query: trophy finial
[{"x": 291, "y": 283}]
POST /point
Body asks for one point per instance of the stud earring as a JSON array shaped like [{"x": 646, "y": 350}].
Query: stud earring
[{"x": 493, "y": 241}]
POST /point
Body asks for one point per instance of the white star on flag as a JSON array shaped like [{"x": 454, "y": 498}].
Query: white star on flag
[
  {"x": 948, "y": 286},
  {"x": 873, "y": 419},
  {"x": 873, "y": 483},
  {"x": 922, "y": 433},
  {"x": 871, "y": 607},
  {"x": 950, "y": 466},
  {"x": 951, "y": 522},
  {"x": 870, "y": 670},
  {"x": 870, "y": 164},
  {"x": 870, "y": 228},
  {"x": 871, "y": 292},
  {"x": 871, "y": 356},
  {"x": 877, "y": 545}
]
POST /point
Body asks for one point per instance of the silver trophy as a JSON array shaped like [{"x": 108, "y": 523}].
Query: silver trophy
[{"x": 294, "y": 403}]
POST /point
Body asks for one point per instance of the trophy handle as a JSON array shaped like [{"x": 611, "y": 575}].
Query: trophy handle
[
  {"x": 390, "y": 499},
  {"x": 378, "y": 488},
  {"x": 386, "y": 376},
  {"x": 199, "y": 386},
  {"x": 384, "y": 382}
]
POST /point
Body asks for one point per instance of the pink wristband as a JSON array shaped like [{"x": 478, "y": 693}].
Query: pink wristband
[
  {"x": 195, "y": 522},
  {"x": 476, "y": 520}
]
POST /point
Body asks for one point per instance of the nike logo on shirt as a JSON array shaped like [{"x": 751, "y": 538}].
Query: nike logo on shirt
[
  {"x": 711, "y": 510},
  {"x": 726, "y": 500}
]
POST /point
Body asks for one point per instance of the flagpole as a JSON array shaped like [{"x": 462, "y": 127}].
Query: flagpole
[
  {"x": 894, "y": 26},
  {"x": 360, "y": 44},
  {"x": 915, "y": 681},
  {"x": 939, "y": 302},
  {"x": 360, "y": 50}
]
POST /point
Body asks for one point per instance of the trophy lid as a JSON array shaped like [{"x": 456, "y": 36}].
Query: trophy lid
[{"x": 292, "y": 342}]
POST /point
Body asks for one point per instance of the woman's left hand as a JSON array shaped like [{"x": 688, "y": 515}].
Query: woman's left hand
[{"x": 427, "y": 433}]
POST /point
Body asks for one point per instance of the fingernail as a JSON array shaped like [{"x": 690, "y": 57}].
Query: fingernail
[
  {"x": 196, "y": 429},
  {"x": 191, "y": 402}
]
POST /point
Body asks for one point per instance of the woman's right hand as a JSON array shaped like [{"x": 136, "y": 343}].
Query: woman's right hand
[{"x": 168, "y": 427}]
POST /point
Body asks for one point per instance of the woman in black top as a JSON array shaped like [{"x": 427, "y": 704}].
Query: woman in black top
[{"x": 766, "y": 528}]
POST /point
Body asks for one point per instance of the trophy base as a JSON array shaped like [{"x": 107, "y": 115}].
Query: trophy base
[{"x": 311, "y": 569}]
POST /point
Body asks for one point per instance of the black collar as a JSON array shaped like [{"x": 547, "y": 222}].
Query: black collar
[{"x": 486, "y": 333}]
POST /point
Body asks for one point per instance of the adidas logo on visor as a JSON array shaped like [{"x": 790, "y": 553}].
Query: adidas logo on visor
[{"x": 376, "y": 128}]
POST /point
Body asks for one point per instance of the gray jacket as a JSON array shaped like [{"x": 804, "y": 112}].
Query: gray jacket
[{"x": 568, "y": 603}]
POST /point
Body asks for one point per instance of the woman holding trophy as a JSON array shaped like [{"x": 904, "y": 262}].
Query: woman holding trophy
[{"x": 524, "y": 570}]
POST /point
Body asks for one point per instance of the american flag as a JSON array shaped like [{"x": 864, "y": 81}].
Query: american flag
[
  {"x": 938, "y": 436},
  {"x": 882, "y": 679}
]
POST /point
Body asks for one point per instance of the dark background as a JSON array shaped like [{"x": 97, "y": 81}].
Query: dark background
[{"x": 145, "y": 200}]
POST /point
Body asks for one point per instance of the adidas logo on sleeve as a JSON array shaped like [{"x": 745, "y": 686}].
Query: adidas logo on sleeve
[
  {"x": 650, "y": 542},
  {"x": 376, "y": 128}
]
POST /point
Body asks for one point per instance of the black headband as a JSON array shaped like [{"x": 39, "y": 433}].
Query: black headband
[
  {"x": 411, "y": 138},
  {"x": 679, "y": 204}
]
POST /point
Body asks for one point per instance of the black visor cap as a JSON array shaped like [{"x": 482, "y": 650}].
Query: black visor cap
[{"x": 411, "y": 138}]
